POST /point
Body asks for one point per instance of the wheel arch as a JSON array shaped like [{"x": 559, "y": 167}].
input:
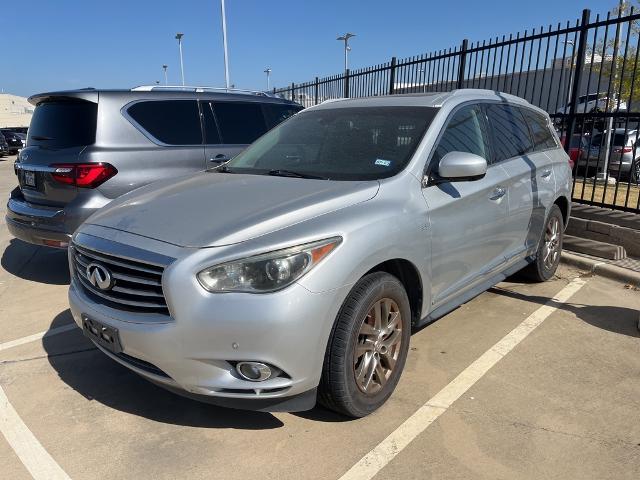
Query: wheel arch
[
  {"x": 409, "y": 276},
  {"x": 563, "y": 204}
]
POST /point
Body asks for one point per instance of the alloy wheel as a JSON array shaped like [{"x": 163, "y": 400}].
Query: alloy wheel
[
  {"x": 551, "y": 248},
  {"x": 378, "y": 346}
]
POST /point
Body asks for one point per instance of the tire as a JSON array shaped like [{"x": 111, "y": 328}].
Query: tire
[
  {"x": 543, "y": 267},
  {"x": 339, "y": 389},
  {"x": 635, "y": 172}
]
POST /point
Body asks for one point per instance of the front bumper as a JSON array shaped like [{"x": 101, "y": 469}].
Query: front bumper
[{"x": 192, "y": 351}]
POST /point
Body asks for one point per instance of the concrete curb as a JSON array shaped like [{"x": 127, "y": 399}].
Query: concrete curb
[{"x": 602, "y": 269}]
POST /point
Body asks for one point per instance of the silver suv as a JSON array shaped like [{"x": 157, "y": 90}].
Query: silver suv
[
  {"x": 297, "y": 270},
  {"x": 87, "y": 147}
]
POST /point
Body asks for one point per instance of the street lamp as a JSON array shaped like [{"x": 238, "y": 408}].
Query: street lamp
[
  {"x": 571, "y": 72},
  {"x": 268, "y": 72},
  {"x": 179, "y": 38},
  {"x": 345, "y": 38},
  {"x": 224, "y": 45},
  {"x": 164, "y": 67}
]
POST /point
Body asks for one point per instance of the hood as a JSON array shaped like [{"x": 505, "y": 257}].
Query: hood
[{"x": 214, "y": 209}]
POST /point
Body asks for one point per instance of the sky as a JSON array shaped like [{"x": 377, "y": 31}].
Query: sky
[{"x": 66, "y": 44}]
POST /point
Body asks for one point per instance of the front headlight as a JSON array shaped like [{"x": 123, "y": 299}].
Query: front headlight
[{"x": 267, "y": 272}]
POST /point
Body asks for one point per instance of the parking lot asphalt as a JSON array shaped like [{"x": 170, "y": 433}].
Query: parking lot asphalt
[{"x": 560, "y": 399}]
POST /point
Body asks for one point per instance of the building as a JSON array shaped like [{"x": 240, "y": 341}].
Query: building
[{"x": 15, "y": 111}]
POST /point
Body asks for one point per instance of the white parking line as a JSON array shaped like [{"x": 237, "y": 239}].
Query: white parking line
[
  {"x": 26, "y": 446},
  {"x": 385, "y": 451},
  {"x": 29, "y": 450},
  {"x": 37, "y": 336}
]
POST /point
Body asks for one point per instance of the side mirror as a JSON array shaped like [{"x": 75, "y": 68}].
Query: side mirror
[{"x": 462, "y": 166}]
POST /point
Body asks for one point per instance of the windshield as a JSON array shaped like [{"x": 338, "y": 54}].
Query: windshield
[{"x": 359, "y": 143}]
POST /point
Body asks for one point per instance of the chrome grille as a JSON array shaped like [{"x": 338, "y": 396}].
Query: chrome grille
[{"x": 137, "y": 286}]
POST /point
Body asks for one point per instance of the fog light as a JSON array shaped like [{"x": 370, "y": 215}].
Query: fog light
[{"x": 253, "y": 371}]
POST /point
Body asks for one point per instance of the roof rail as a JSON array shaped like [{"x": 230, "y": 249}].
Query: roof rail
[{"x": 183, "y": 88}]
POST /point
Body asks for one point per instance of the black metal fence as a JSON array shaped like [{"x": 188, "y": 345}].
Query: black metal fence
[{"x": 583, "y": 73}]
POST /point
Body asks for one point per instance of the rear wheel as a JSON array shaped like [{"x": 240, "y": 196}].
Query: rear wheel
[
  {"x": 635, "y": 172},
  {"x": 368, "y": 346},
  {"x": 549, "y": 248}
]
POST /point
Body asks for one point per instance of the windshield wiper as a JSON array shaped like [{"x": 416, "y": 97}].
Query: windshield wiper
[
  {"x": 291, "y": 173},
  {"x": 221, "y": 168}
]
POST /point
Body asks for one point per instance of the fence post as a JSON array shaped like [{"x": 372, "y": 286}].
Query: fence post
[
  {"x": 293, "y": 92},
  {"x": 346, "y": 83},
  {"x": 392, "y": 75},
  {"x": 315, "y": 92},
  {"x": 463, "y": 62},
  {"x": 577, "y": 76}
]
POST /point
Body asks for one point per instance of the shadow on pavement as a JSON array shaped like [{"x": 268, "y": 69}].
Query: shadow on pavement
[
  {"x": 615, "y": 319},
  {"x": 36, "y": 263},
  {"x": 98, "y": 378}
]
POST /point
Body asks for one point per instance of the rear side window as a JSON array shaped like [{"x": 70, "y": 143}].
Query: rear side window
[
  {"x": 510, "y": 132},
  {"x": 276, "y": 114},
  {"x": 63, "y": 124},
  {"x": 240, "y": 123},
  {"x": 174, "y": 122},
  {"x": 465, "y": 132},
  {"x": 599, "y": 139},
  {"x": 540, "y": 130}
]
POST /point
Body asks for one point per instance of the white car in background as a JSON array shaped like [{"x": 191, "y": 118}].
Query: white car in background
[{"x": 594, "y": 102}]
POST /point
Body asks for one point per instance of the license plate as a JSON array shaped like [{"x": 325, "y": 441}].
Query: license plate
[
  {"x": 29, "y": 178},
  {"x": 105, "y": 336}
]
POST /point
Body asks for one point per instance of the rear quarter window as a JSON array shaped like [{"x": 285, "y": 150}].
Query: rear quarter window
[
  {"x": 543, "y": 138},
  {"x": 63, "y": 124},
  {"x": 275, "y": 113},
  {"x": 174, "y": 122}
]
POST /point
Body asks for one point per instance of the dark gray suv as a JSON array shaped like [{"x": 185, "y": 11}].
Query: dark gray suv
[{"x": 87, "y": 147}]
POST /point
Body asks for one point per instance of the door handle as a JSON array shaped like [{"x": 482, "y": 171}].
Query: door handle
[
  {"x": 497, "y": 193},
  {"x": 545, "y": 173},
  {"x": 221, "y": 158}
]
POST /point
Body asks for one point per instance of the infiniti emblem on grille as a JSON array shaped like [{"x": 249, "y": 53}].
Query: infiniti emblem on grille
[{"x": 99, "y": 276}]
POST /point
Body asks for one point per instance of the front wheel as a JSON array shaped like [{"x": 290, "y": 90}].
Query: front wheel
[
  {"x": 549, "y": 248},
  {"x": 368, "y": 346}
]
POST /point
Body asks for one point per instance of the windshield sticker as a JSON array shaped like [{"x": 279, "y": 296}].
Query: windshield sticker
[{"x": 384, "y": 163}]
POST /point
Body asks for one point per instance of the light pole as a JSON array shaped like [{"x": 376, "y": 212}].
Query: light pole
[
  {"x": 164, "y": 67},
  {"x": 613, "y": 77},
  {"x": 571, "y": 72},
  {"x": 268, "y": 72},
  {"x": 179, "y": 38},
  {"x": 224, "y": 45},
  {"x": 345, "y": 38}
]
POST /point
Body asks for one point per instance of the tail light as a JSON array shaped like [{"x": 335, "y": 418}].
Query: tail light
[
  {"x": 83, "y": 175},
  {"x": 622, "y": 150}
]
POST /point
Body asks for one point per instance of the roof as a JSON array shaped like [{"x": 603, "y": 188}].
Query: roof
[
  {"x": 430, "y": 99},
  {"x": 146, "y": 92}
]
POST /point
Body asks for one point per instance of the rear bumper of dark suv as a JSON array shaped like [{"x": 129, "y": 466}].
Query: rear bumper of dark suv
[{"x": 44, "y": 225}]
